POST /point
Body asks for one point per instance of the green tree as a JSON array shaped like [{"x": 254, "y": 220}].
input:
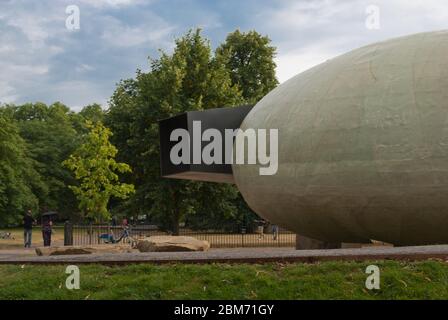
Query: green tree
[
  {"x": 20, "y": 183},
  {"x": 92, "y": 112},
  {"x": 96, "y": 170},
  {"x": 51, "y": 138},
  {"x": 249, "y": 57},
  {"x": 189, "y": 79}
]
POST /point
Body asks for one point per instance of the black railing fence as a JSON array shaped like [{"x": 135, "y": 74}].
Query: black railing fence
[{"x": 99, "y": 234}]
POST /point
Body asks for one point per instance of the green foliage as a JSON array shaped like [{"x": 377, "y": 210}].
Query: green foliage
[
  {"x": 324, "y": 280},
  {"x": 36, "y": 139},
  {"x": 250, "y": 59},
  {"x": 192, "y": 78},
  {"x": 96, "y": 170},
  {"x": 51, "y": 137},
  {"x": 189, "y": 79},
  {"x": 92, "y": 112},
  {"x": 20, "y": 183}
]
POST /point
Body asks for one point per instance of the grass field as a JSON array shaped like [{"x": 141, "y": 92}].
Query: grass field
[
  {"x": 329, "y": 280},
  {"x": 17, "y": 242}
]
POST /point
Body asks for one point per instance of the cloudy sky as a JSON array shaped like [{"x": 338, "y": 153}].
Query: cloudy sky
[{"x": 42, "y": 60}]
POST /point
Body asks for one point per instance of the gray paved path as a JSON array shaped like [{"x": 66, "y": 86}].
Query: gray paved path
[{"x": 249, "y": 255}]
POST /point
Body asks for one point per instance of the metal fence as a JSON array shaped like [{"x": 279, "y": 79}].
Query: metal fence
[{"x": 95, "y": 234}]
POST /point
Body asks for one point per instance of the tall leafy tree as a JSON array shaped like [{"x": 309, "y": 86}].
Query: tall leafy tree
[
  {"x": 20, "y": 183},
  {"x": 97, "y": 172},
  {"x": 51, "y": 138},
  {"x": 189, "y": 79},
  {"x": 249, "y": 57}
]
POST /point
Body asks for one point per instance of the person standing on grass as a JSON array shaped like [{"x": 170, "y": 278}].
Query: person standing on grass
[
  {"x": 28, "y": 222},
  {"x": 47, "y": 230}
]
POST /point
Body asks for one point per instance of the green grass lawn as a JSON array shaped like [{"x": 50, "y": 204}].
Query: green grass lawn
[{"x": 329, "y": 280}]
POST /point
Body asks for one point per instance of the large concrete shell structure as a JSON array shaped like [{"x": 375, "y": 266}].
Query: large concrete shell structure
[{"x": 363, "y": 146}]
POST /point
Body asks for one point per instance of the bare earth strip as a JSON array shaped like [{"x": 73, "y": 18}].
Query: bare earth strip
[{"x": 246, "y": 255}]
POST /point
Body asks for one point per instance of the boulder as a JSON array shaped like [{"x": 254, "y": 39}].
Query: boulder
[
  {"x": 172, "y": 244},
  {"x": 75, "y": 250}
]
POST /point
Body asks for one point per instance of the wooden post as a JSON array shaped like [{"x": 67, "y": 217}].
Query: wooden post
[{"x": 68, "y": 233}]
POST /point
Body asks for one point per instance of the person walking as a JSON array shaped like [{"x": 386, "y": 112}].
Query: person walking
[
  {"x": 275, "y": 231},
  {"x": 125, "y": 226},
  {"x": 28, "y": 222},
  {"x": 47, "y": 230},
  {"x": 261, "y": 225}
]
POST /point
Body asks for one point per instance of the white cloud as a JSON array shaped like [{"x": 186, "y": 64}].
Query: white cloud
[
  {"x": 307, "y": 33},
  {"x": 6, "y": 48},
  {"x": 295, "y": 62},
  {"x": 27, "y": 70},
  {"x": 41, "y": 60},
  {"x": 78, "y": 94},
  {"x": 36, "y": 25},
  {"x": 112, "y": 3},
  {"x": 84, "y": 68},
  {"x": 7, "y": 93},
  {"x": 30, "y": 25},
  {"x": 119, "y": 34},
  {"x": 25, "y": 56}
]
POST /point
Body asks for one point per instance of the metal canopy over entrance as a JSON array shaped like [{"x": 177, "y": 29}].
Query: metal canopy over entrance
[{"x": 219, "y": 119}]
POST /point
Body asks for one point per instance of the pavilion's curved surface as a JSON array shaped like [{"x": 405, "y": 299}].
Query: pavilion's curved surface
[{"x": 363, "y": 146}]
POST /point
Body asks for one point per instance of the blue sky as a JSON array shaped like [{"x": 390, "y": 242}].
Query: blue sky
[{"x": 41, "y": 60}]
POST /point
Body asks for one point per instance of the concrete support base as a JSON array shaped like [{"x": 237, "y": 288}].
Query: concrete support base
[{"x": 305, "y": 243}]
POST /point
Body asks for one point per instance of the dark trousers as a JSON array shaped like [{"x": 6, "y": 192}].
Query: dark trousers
[
  {"x": 27, "y": 236},
  {"x": 47, "y": 238}
]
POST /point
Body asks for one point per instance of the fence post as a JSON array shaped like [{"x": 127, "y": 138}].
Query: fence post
[
  {"x": 243, "y": 232},
  {"x": 68, "y": 233},
  {"x": 90, "y": 234}
]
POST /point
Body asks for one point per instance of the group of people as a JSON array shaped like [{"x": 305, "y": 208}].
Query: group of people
[
  {"x": 29, "y": 222},
  {"x": 261, "y": 225}
]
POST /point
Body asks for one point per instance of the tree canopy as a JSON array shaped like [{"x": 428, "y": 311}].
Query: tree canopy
[
  {"x": 96, "y": 170},
  {"x": 249, "y": 57},
  {"x": 189, "y": 79},
  {"x": 21, "y": 186},
  {"x": 52, "y": 158},
  {"x": 42, "y": 137}
]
